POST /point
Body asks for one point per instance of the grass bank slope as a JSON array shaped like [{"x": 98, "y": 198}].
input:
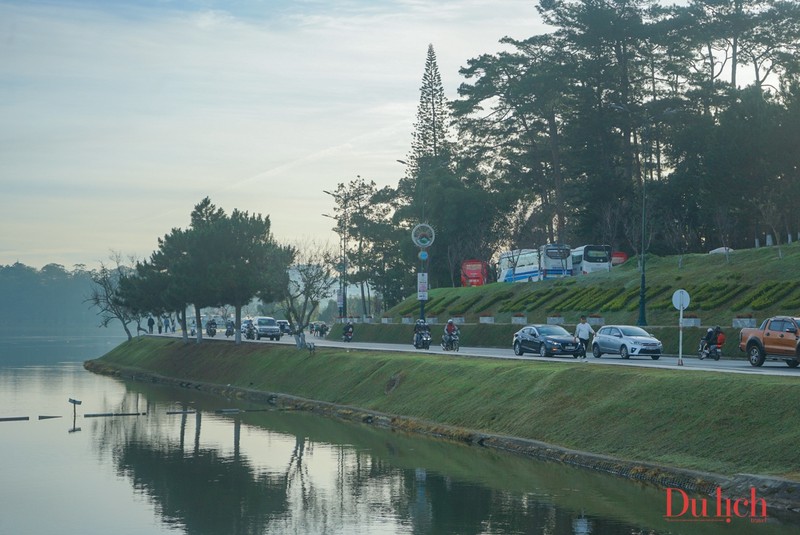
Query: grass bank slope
[
  {"x": 759, "y": 282},
  {"x": 722, "y": 423}
]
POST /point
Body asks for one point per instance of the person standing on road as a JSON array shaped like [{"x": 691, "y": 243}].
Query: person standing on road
[
  {"x": 583, "y": 331},
  {"x": 150, "y": 323}
]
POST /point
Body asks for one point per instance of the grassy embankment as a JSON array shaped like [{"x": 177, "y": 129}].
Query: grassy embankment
[
  {"x": 722, "y": 423},
  {"x": 756, "y": 282}
]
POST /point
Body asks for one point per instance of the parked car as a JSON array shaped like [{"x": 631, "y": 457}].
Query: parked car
[
  {"x": 626, "y": 341},
  {"x": 267, "y": 327},
  {"x": 546, "y": 340},
  {"x": 286, "y": 327}
]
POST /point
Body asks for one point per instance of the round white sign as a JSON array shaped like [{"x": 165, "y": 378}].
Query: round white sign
[
  {"x": 680, "y": 299},
  {"x": 422, "y": 235}
]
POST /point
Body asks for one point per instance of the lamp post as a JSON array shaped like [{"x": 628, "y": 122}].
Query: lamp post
[
  {"x": 341, "y": 229},
  {"x": 642, "y": 321},
  {"x": 651, "y": 121},
  {"x": 642, "y": 288}
]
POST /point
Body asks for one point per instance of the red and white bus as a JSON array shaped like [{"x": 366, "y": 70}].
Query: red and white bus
[{"x": 474, "y": 273}]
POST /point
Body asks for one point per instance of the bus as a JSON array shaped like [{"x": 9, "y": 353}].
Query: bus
[
  {"x": 552, "y": 261},
  {"x": 474, "y": 273},
  {"x": 555, "y": 261},
  {"x": 590, "y": 258},
  {"x": 519, "y": 265}
]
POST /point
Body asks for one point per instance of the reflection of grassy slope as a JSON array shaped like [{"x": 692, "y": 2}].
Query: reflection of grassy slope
[
  {"x": 595, "y": 495},
  {"x": 755, "y": 280},
  {"x": 706, "y": 421}
]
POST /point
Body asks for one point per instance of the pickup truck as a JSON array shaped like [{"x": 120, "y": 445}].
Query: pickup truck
[{"x": 777, "y": 338}]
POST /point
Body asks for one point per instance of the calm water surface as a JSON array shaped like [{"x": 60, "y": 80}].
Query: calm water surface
[{"x": 191, "y": 465}]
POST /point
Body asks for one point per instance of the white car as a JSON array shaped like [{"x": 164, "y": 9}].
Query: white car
[
  {"x": 626, "y": 341},
  {"x": 267, "y": 327}
]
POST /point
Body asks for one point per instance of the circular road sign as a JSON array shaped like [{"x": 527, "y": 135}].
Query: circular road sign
[
  {"x": 422, "y": 235},
  {"x": 423, "y": 255},
  {"x": 680, "y": 299}
]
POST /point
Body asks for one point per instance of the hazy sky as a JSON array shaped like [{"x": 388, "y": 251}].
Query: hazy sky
[{"x": 118, "y": 116}]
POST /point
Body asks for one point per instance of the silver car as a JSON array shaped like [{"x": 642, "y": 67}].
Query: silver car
[{"x": 626, "y": 341}]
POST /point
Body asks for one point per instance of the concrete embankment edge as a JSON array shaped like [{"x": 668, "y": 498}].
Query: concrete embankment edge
[{"x": 780, "y": 494}]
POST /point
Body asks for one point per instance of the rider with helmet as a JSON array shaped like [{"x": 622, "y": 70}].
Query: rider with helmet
[
  {"x": 348, "y": 331},
  {"x": 450, "y": 330},
  {"x": 420, "y": 327}
]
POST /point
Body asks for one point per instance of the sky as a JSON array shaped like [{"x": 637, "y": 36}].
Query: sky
[{"x": 118, "y": 116}]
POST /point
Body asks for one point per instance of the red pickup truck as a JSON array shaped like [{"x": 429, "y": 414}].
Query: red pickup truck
[{"x": 777, "y": 338}]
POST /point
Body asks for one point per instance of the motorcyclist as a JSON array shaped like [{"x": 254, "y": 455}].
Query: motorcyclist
[
  {"x": 450, "y": 330},
  {"x": 420, "y": 327},
  {"x": 348, "y": 330},
  {"x": 211, "y": 327},
  {"x": 707, "y": 340},
  {"x": 718, "y": 340}
]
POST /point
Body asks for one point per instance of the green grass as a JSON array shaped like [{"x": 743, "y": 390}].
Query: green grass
[
  {"x": 755, "y": 281},
  {"x": 723, "y": 423}
]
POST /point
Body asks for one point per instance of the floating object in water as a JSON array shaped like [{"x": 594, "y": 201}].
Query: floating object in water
[{"x": 99, "y": 414}]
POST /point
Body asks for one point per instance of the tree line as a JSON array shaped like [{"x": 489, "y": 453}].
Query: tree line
[
  {"x": 219, "y": 260},
  {"x": 46, "y": 301},
  {"x": 684, "y": 119}
]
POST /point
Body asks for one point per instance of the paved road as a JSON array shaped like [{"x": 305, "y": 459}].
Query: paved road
[{"x": 666, "y": 361}]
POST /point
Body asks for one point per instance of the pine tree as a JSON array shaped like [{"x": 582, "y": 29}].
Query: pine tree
[{"x": 429, "y": 138}]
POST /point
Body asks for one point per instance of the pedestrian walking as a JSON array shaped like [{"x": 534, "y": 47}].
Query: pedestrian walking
[
  {"x": 160, "y": 325},
  {"x": 583, "y": 331},
  {"x": 150, "y": 323}
]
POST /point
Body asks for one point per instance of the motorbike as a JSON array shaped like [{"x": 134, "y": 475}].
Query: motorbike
[
  {"x": 229, "y": 330},
  {"x": 452, "y": 344},
  {"x": 250, "y": 332},
  {"x": 211, "y": 330},
  {"x": 713, "y": 353},
  {"x": 347, "y": 336},
  {"x": 422, "y": 340}
]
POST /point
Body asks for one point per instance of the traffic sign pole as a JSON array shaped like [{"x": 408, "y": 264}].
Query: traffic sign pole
[{"x": 680, "y": 300}]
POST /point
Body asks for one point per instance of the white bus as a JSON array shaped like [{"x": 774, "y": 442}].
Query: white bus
[
  {"x": 590, "y": 258},
  {"x": 555, "y": 261},
  {"x": 530, "y": 265},
  {"x": 519, "y": 265}
]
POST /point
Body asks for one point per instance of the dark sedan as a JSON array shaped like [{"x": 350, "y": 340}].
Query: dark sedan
[{"x": 546, "y": 340}]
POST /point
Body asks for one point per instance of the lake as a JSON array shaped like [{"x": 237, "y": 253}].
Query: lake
[{"x": 135, "y": 458}]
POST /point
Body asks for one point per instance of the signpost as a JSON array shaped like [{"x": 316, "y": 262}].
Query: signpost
[
  {"x": 680, "y": 300},
  {"x": 422, "y": 235}
]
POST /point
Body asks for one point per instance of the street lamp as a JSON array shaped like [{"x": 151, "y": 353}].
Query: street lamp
[
  {"x": 642, "y": 321},
  {"x": 341, "y": 224}
]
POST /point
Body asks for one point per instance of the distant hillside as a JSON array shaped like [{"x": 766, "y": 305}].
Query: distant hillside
[{"x": 760, "y": 282}]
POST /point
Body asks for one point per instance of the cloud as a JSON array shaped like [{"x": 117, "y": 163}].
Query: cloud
[{"x": 259, "y": 104}]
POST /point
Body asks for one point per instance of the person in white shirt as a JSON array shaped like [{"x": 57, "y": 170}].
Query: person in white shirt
[{"x": 582, "y": 332}]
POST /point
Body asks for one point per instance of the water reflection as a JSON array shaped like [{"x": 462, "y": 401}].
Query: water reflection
[
  {"x": 278, "y": 472},
  {"x": 190, "y": 466}
]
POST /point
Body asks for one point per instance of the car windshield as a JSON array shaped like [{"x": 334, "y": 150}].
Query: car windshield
[
  {"x": 633, "y": 331},
  {"x": 266, "y": 322},
  {"x": 552, "y": 330}
]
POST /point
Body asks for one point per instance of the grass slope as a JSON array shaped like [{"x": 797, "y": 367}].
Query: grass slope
[
  {"x": 723, "y": 423},
  {"x": 762, "y": 282}
]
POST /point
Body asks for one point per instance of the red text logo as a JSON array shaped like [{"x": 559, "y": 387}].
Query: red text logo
[{"x": 682, "y": 508}]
